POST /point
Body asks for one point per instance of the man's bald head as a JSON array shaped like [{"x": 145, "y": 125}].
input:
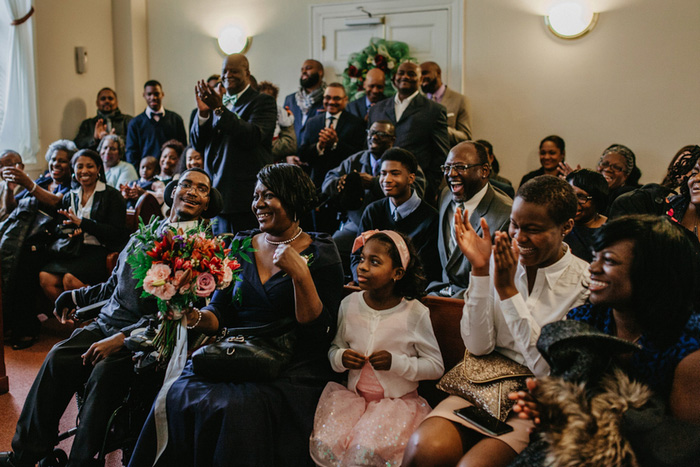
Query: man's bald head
[
  {"x": 235, "y": 73},
  {"x": 374, "y": 85}
]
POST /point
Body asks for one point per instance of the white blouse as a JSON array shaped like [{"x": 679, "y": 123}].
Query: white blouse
[
  {"x": 405, "y": 331},
  {"x": 513, "y": 326}
]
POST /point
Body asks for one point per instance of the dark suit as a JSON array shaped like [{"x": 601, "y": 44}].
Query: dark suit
[
  {"x": 351, "y": 136},
  {"x": 421, "y": 130},
  {"x": 359, "y": 107},
  {"x": 290, "y": 103},
  {"x": 235, "y": 147},
  {"x": 495, "y": 207}
]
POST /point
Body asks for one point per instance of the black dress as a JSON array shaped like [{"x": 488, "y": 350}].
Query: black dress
[{"x": 251, "y": 424}]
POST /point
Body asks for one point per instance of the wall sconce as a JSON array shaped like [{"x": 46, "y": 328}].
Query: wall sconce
[
  {"x": 233, "y": 40},
  {"x": 570, "y": 19}
]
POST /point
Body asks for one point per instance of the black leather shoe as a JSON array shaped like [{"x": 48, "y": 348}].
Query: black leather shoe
[{"x": 24, "y": 342}]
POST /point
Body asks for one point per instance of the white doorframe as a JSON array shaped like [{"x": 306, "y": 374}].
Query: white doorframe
[{"x": 456, "y": 9}]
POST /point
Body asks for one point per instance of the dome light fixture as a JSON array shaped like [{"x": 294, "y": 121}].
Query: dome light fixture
[
  {"x": 570, "y": 19},
  {"x": 233, "y": 40}
]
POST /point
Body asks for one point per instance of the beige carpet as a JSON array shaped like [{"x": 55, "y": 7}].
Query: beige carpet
[{"x": 22, "y": 367}]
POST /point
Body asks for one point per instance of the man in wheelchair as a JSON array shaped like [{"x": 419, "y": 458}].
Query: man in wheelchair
[{"x": 94, "y": 357}]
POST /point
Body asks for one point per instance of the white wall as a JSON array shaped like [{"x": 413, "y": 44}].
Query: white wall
[
  {"x": 65, "y": 98},
  {"x": 633, "y": 80}
]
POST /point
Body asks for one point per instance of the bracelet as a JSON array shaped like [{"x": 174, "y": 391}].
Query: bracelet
[
  {"x": 199, "y": 318},
  {"x": 33, "y": 188}
]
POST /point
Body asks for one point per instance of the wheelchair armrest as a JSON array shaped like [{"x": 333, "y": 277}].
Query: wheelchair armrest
[{"x": 89, "y": 312}]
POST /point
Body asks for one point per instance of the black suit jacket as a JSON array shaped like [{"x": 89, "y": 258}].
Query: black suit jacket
[
  {"x": 236, "y": 146},
  {"x": 421, "y": 130},
  {"x": 351, "y": 136}
]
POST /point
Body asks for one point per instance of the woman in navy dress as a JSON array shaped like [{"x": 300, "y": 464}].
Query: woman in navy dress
[{"x": 292, "y": 274}]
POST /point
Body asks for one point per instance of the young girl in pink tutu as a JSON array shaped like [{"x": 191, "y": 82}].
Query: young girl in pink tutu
[{"x": 386, "y": 341}]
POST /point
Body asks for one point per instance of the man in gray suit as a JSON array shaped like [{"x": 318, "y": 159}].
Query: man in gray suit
[
  {"x": 456, "y": 104},
  {"x": 467, "y": 175},
  {"x": 421, "y": 125}
]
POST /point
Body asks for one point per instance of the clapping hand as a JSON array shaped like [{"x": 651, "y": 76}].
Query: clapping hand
[
  {"x": 207, "y": 99},
  {"x": 101, "y": 130},
  {"x": 565, "y": 169},
  {"x": 72, "y": 217},
  {"x": 327, "y": 137},
  {"x": 477, "y": 249},
  {"x": 505, "y": 264}
]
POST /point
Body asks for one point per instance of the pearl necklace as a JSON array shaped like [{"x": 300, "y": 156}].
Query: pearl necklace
[{"x": 283, "y": 242}]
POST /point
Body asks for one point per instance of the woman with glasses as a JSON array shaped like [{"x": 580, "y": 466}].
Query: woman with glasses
[
  {"x": 619, "y": 167},
  {"x": 552, "y": 153},
  {"x": 591, "y": 191}
]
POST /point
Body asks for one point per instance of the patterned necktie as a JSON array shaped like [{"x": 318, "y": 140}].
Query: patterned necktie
[{"x": 227, "y": 99}]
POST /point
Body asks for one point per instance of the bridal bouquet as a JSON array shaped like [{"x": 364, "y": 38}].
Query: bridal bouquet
[{"x": 178, "y": 267}]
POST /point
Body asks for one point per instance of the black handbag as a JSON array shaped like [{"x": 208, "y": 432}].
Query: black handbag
[
  {"x": 247, "y": 354},
  {"x": 66, "y": 245}
]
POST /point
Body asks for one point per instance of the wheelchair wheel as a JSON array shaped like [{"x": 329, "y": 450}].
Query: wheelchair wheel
[{"x": 58, "y": 458}]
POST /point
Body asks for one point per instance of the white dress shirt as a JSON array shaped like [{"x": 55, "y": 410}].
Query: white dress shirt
[
  {"x": 401, "y": 105},
  {"x": 513, "y": 326},
  {"x": 404, "y": 331}
]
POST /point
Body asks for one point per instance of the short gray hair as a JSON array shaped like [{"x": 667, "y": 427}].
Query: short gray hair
[
  {"x": 61, "y": 145},
  {"x": 120, "y": 144}
]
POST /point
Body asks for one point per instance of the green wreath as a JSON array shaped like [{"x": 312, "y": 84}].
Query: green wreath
[{"x": 380, "y": 53}]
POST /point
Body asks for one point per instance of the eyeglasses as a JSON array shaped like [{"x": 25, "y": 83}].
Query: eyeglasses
[
  {"x": 583, "y": 199},
  {"x": 200, "y": 189},
  {"x": 378, "y": 134},
  {"x": 460, "y": 168},
  {"x": 607, "y": 165}
]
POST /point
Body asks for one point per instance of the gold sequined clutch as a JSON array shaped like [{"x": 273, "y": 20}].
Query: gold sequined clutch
[{"x": 486, "y": 381}]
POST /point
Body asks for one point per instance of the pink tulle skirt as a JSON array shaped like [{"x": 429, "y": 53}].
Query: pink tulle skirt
[{"x": 349, "y": 430}]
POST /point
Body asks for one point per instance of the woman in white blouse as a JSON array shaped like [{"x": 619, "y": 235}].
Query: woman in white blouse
[{"x": 515, "y": 288}]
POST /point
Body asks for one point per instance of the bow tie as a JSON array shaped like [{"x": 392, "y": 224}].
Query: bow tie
[{"x": 226, "y": 99}]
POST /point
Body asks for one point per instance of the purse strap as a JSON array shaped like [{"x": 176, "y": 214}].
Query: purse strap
[{"x": 274, "y": 329}]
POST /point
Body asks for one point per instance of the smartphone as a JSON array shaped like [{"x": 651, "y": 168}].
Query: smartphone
[{"x": 483, "y": 420}]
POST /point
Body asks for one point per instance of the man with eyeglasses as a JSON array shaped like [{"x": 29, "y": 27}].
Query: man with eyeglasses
[
  {"x": 466, "y": 171},
  {"x": 234, "y": 134},
  {"x": 355, "y": 183},
  {"x": 94, "y": 360}
]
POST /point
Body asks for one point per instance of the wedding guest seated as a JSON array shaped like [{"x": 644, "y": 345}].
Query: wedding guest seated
[
  {"x": 170, "y": 154},
  {"x": 494, "y": 178},
  {"x": 118, "y": 172},
  {"x": 643, "y": 290},
  {"x": 94, "y": 360},
  {"x": 190, "y": 158},
  {"x": 552, "y": 153},
  {"x": 466, "y": 172},
  {"x": 685, "y": 207},
  {"x": 295, "y": 276},
  {"x": 402, "y": 210},
  {"x": 96, "y": 214},
  {"x": 148, "y": 170},
  {"x": 592, "y": 194},
  {"x": 515, "y": 288},
  {"x": 24, "y": 239},
  {"x": 654, "y": 198},
  {"x": 617, "y": 164},
  {"x": 354, "y": 184}
]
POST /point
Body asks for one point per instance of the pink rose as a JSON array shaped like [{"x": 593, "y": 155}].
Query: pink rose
[
  {"x": 156, "y": 282},
  {"x": 205, "y": 285},
  {"x": 187, "y": 285}
]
